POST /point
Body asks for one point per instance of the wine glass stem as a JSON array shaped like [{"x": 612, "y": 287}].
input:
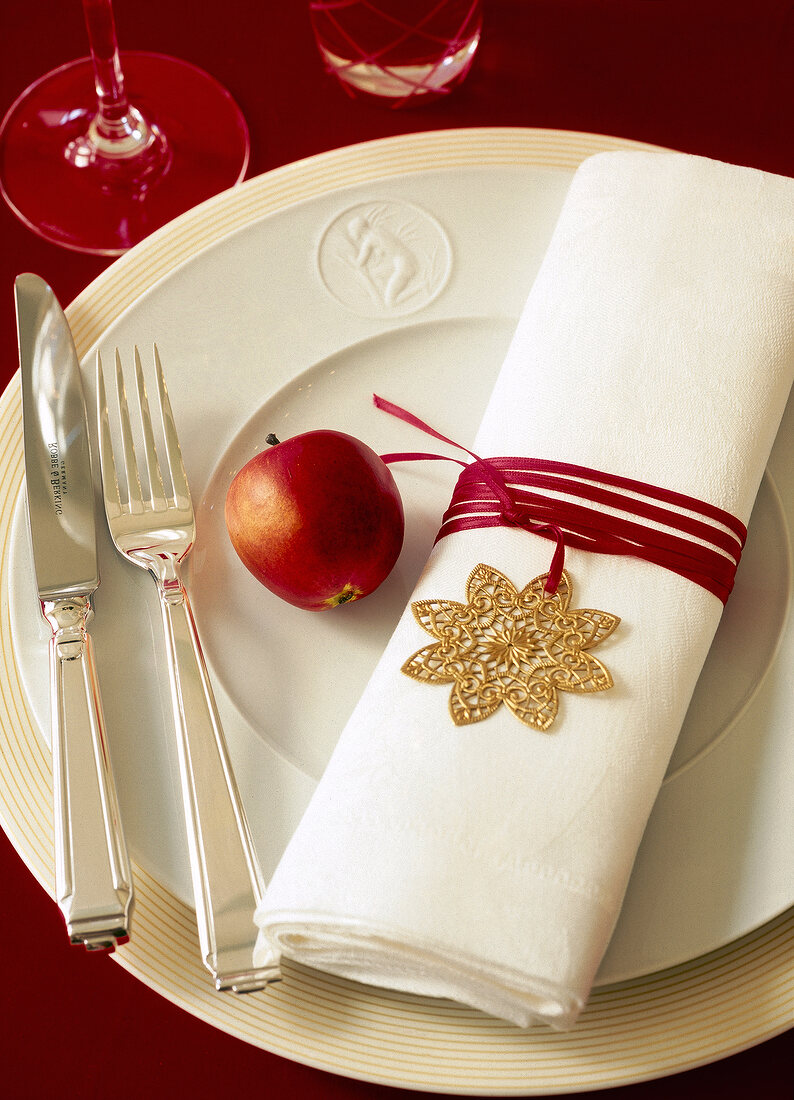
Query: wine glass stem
[
  {"x": 109, "y": 78},
  {"x": 118, "y": 130}
]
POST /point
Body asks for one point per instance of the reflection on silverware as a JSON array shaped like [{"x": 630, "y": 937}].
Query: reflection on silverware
[
  {"x": 152, "y": 524},
  {"x": 93, "y": 883}
]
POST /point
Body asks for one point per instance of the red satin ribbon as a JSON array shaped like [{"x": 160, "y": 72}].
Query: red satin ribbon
[{"x": 701, "y": 542}]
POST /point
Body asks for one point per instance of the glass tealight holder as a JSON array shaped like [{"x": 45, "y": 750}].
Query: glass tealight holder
[{"x": 400, "y": 52}]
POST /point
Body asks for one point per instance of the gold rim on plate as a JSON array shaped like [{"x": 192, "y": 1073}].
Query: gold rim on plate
[{"x": 659, "y": 1024}]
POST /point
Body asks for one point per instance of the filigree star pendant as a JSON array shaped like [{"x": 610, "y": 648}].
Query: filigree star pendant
[{"x": 505, "y": 646}]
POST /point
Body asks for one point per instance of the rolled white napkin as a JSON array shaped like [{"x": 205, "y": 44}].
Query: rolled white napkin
[{"x": 487, "y": 863}]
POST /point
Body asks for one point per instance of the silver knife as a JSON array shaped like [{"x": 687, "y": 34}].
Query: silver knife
[{"x": 93, "y": 882}]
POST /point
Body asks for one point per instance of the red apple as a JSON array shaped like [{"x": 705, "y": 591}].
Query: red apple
[{"x": 317, "y": 519}]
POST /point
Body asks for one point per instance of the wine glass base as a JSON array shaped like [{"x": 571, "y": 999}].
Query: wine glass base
[{"x": 94, "y": 205}]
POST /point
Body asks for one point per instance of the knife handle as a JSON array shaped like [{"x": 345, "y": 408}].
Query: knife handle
[
  {"x": 227, "y": 881},
  {"x": 93, "y": 882}
]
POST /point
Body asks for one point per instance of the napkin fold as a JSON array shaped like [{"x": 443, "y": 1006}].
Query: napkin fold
[{"x": 487, "y": 863}]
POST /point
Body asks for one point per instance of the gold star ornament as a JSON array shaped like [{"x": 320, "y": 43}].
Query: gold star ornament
[{"x": 505, "y": 646}]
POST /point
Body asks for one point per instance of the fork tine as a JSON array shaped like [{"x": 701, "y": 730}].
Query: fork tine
[
  {"x": 176, "y": 466},
  {"x": 110, "y": 484},
  {"x": 134, "y": 494},
  {"x": 156, "y": 491}
]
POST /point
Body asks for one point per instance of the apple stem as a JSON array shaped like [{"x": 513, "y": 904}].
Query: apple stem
[{"x": 272, "y": 440}]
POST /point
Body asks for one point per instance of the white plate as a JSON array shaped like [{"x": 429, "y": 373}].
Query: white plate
[{"x": 270, "y": 316}]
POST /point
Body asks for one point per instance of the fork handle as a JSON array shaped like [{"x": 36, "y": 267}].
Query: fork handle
[
  {"x": 227, "y": 881},
  {"x": 93, "y": 883}
]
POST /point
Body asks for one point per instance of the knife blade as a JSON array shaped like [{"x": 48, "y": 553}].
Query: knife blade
[{"x": 93, "y": 881}]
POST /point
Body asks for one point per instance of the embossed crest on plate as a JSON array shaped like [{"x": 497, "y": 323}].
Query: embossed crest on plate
[{"x": 384, "y": 259}]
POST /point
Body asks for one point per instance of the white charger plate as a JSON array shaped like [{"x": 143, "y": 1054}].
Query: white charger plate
[{"x": 271, "y": 316}]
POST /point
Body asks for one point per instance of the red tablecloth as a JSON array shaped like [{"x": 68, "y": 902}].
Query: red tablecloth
[{"x": 713, "y": 77}]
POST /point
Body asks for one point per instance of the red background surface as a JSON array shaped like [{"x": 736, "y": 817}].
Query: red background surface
[{"x": 713, "y": 77}]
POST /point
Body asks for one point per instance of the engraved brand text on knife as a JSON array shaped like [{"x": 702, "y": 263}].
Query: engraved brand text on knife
[{"x": 57, "y": 477}]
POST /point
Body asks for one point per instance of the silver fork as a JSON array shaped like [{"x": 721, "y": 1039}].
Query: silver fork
[{"x": 154, "y": 528}]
